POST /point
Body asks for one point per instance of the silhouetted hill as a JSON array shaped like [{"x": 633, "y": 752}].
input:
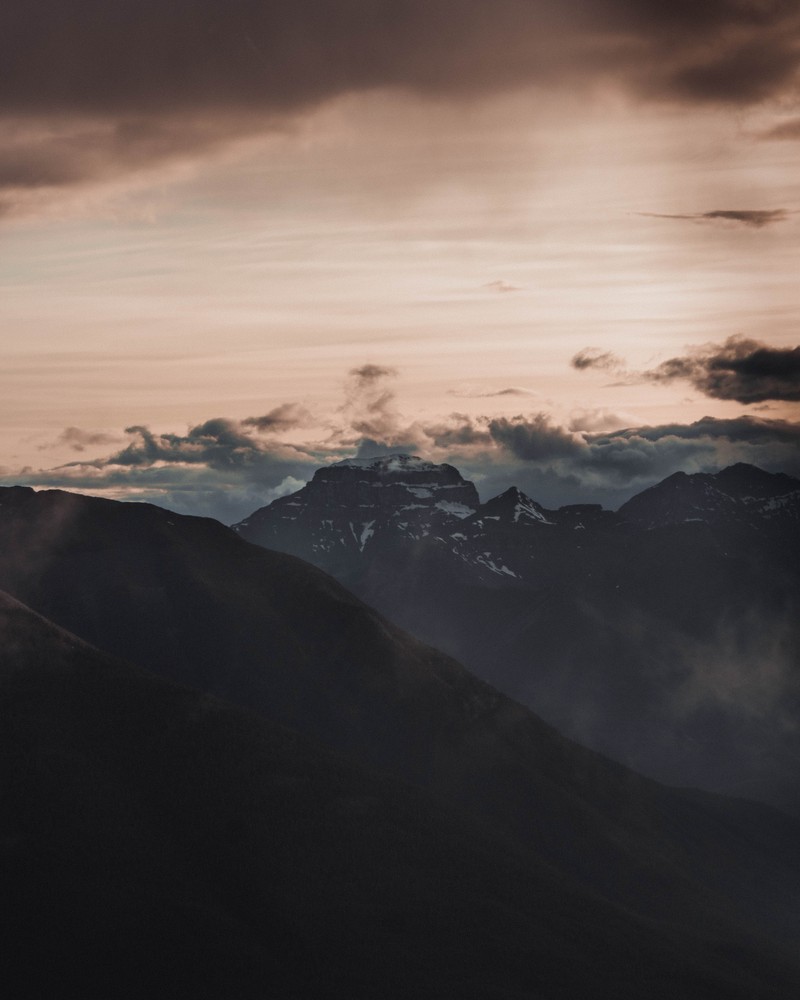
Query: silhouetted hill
[
  {"x": 192, "y": 601},
  {"x": 156, "y": 842},
  {"x": 666, "y": 635}
]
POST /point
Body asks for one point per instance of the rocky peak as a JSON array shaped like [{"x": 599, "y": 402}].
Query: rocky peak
[
  {"x": 352, "y": 504},
  {"x": 514, "y": 506},
  {"x": 747, "y": 482},
  {"x": 391, "y": 484},
  {"x": 736, "y": 493}
]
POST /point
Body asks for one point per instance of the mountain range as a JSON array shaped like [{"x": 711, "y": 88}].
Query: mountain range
[
  {"x": 664, "y": 634},
  {"x": 225, "y": 775}
]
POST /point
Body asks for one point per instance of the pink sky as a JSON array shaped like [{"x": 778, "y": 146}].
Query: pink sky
[{"x": 398, "y": 234}]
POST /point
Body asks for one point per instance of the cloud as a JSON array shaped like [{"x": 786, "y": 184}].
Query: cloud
[
  {"x": 533, "y": 438},
  {"x": 788, "y": 130},
  {"x": 79, "y": 440},
  {"x": 220, "y": 467},
  {"x": 281, "y": 418},
  {"x": 369, "y": 406},
  {"x": 107, "y": 87},
  {"x": 742, "y": 71},
  {"x": 558, "y": 467},
  {"x": 368, "y": 375},
  {"x": 593, "y": 357},
  {"x": 743, "y": 370},
  {"x": 227, "y": 468},
  {"x": 598, "y": 420},
  {"x": 502, "y": 286},
  {"x": 513, "y": 390},
  {"x": 754, "y": 218}
]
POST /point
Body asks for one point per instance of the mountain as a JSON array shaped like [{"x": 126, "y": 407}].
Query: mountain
[
  {"x": 349, "y": 504},
  {"x": 157, "y": 842},
  {"x": 666, "y": 635},
  {"x": 156, "y": 837},
  {"x": 740, "y": 494}
]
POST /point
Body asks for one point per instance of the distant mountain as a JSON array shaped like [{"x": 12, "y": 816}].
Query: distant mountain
[
  {"x": 740, "y": 494},
  {"x": 353, "y": 504},
  {"x": 666, "y": 635},
  {"x": 156, "y": 842}
]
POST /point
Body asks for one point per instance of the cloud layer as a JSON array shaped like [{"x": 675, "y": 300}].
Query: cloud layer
[
  {"x": 108, "y": 87},
  {"x": 223, "y": 468}
]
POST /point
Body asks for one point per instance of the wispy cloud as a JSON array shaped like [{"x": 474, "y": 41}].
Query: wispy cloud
[
  {"x": 752, "y": 218},
  {"x": 593, "y": 357},
  {"x": 502, "y": 286},
  {"x": 79, "y": 439},
  {"x": 788, "y": 131}
]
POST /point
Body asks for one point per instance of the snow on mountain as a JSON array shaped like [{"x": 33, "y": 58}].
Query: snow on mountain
[
  {"x": 365, "y": 512},
  {"x": 388, "y": 463},
  {"x": 740, "y": 494}
]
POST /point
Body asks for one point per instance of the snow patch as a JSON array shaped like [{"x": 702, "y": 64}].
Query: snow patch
[
  {"x": 366, "y": 533},
  {"x": 388, "y": 463},
  {"x": 459, "y": 510}
]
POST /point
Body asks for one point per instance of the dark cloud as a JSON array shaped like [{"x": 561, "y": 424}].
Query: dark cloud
[
  {"x": 281, "y": 418},
  {"x": 67, "y": 153},
  {"x": 130, "y": 56},
  {"x": 460, "y": 431},
  {"x": 102, "y": 87},
  {"x": 786, "y": 130},
  {"x": 218, "y": 468},
  {"x": 755, "y": 218},
  {"x": 79, "y": 439},
  {"x": 736, "y": 430},
  {"x": 739, "y": 72},
  {"x": 593, "y": 357},
  {"x": 502, "y": 286},
  {"x": 608, "y": 468},
  {"x": 743, "y": 370},
  {"x": 368, "y": 375},
  {"x": 533, "y": 438}
]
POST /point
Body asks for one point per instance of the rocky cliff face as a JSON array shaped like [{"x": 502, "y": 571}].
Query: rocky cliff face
[{"x": 354, "y": 505}]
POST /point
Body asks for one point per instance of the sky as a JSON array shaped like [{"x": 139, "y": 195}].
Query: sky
[{"x": 552, "y": 243}]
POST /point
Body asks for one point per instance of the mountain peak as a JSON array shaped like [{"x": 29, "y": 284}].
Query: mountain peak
[
  {"x": 398, "y": 462},
  {"x": 732, "y": 494},
  {"x": 514, "y": 505},
  {"x": 749, "y": 481},
  {"x": 360, "y": 501}
]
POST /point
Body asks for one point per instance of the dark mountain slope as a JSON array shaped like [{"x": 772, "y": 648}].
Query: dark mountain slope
[
  {"x": 187, "y": 598},
  {"x": 667, "y": 635},
  {"x": 155, "y": 842}
]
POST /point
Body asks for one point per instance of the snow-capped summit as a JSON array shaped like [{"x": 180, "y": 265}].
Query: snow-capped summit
[
  {"x": 515, "y": 507},
  {"x": 388, "y": 464},
  {"x": 358, "y": 502}
]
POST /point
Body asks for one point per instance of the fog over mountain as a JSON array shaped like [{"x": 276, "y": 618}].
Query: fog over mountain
[
  {"x": 664, "y": 634},
  {"x": 157, "y": 839}
]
